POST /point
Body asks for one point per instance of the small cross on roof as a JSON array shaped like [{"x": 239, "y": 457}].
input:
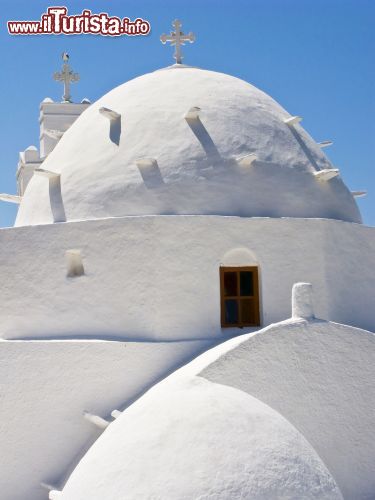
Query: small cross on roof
[
  {"x": 177, "y": 38},
  {"x": 66, "y": 76}
]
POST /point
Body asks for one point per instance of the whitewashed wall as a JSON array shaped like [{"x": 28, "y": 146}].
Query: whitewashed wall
[
  {"x": 320, "y": 377},
  {"x": 157, "y": 277},
  {"x": 46, "y": 386}
]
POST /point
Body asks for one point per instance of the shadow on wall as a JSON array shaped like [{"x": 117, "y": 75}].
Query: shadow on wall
[
  {"x": 114, "y": 124},
  {"x": 304, "y": 148},
  {"x": 150, "y": 172},
  {"x": 200, "y": 132},
  {"x": 115, "y": 131},
  {"x": 56, "y": 201}
]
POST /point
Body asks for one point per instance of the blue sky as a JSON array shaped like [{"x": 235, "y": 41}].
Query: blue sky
[{"x": 315, "y": 57}]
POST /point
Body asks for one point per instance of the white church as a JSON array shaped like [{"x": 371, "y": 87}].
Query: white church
[{"x": 187, "y": 302}]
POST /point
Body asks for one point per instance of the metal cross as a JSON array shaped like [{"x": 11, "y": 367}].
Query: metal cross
[
  {"x": 177, "y": 38},
  {"x": 67, "y": 76}
]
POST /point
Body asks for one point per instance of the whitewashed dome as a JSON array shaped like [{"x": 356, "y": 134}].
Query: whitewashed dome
[
  {"x": 196, "y": 170},
  {"x": 192, "y": 439}
]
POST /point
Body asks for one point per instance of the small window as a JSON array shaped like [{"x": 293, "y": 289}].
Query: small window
[{"x": 239, "y": 296}]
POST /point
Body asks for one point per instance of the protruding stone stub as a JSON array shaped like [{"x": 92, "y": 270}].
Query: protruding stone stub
[
  {"x": 193, "y": 113},
  {"x": 302, "y": 301},
  {"x": 292, "y": 120},
  {"x": 54, "y": 494},
  {"x": 96, "y": 420},
  {"x": 109, "y": 113}
]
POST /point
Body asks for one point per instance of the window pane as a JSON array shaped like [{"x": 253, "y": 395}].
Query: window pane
[
  {"x": 247, "y": 312},
  {"x": 246, "y": 283},
  {"x": 230, "y": 284},
  {"x": 231, "y": 311}
]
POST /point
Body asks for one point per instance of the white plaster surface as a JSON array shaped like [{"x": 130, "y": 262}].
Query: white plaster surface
[
  {"x": 320, "y": 377},
  {"x": 302, "y": 301},
  {"x": 58, "y": 117},
  {"x": 46, "y": 386},
  {"x": 316, "y": 374},
  {"x": 274, "y": 414},
  {"x": 197, "y": 171},
  {"x": 157, "y": 277},
  {"x": 189, "y": 438}
]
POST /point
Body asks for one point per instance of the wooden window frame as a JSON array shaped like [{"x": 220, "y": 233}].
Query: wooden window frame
[{"x": 255, "y": 297}]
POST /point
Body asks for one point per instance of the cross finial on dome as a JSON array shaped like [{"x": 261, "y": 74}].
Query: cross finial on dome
[
  {"x": 177, "y": 38},
  {"x": 67, "y": 76}
]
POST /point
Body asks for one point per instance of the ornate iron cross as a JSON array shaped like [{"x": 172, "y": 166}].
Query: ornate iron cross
[
  {"x": 177, "y": 38},
  {"x": 67, "y": 76}
]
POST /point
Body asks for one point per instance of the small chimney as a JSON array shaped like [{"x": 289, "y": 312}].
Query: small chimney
[{"x": 302, "y": 303}]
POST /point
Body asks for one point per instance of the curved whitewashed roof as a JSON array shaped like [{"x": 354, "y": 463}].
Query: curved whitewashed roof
[
  {"x": 190, "y": 438},
  {"x": 319, "y": 376},
  {"x": 186, "y": 141}
]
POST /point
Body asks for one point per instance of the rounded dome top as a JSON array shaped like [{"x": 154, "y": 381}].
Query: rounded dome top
[
  {"x": 200, "y": 440},
  {"x": 185, "y": 141}
]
